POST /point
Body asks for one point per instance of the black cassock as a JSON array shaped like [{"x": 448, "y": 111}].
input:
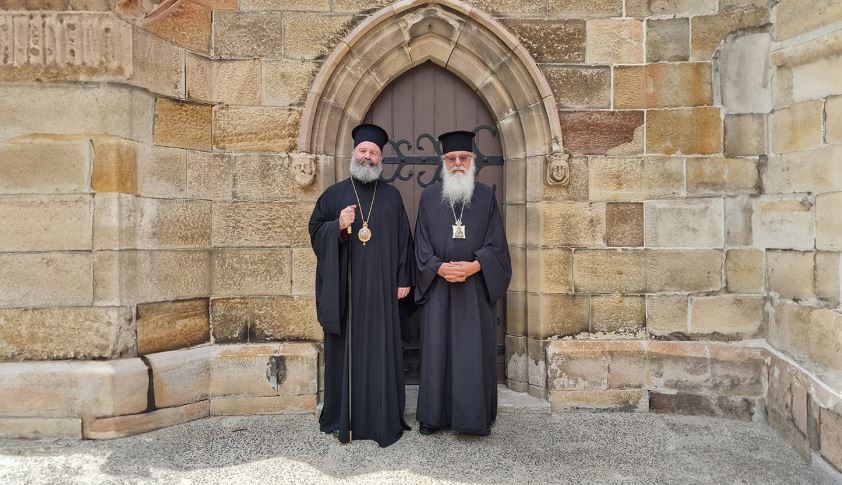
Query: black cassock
[
  {"x": 377, "y": 270},
  {"x": 458, "y": 386}
]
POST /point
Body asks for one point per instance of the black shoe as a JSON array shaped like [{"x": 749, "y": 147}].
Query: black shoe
[{"x": 426, "y": 430}]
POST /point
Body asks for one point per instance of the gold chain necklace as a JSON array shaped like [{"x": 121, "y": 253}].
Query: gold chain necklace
[{"x": 365, "y": 233}]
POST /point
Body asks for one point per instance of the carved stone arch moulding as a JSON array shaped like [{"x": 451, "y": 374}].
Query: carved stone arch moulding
[{"x": 452, "y": 34}]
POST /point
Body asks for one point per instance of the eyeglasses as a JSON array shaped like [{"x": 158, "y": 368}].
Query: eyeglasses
[{"x": 462, "y": 158}]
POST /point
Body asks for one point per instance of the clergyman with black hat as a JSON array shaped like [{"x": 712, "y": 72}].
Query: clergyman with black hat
[
  {"x": 463, "y": 268},
  {"x": 360, "y": 233}
]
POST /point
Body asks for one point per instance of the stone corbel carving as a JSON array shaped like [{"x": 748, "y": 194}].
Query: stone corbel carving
[
  {"x": 304, "y": 169},
  {"x": 558, "y": 169}
]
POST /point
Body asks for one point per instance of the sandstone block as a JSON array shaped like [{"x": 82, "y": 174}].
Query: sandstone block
[
  {"x": 256, "y": 129},
  {"x": 686, "y": 131},
  {"x": 708, "y": 31},
  {"x": 497, "y": 8},
  {"x": 573, "y": 224},
  {"x": 115, "y": 165},
  {"x": 40, "y": 428},
  {"x": 602, "y": 400},
  {"x": 722, "y": 176},
  {"x": 635, "y": 179},
  {"x": 589, "y": 9},
  {"x": 782, "y": 224},
  {"x": 271, "y": 177},
  {"x": 45, "y": 279},
  {"x": 186, "y": 23},
  {"x": 602, "y": 132},
  {"x": 555, "y": 269},
  {"x": 164, "y": 275},
  {"x": 799, "y": 16},
  {"x": 808, "y": 171},
  {"x": 172, "y": 325},
  {"x": 84, "y": 389},
  {"x": 745, "y": 135},
  {"x": 303, "y": 271},
  {"x": 162, "y": 172},
  {"x": 624, "y": 224},
  {"x": 614, "y": 41},
  {"x": 251, "y": 272},
  {"x": 684, "y": 223},
  {"x": 551, "y": 40},
  {"x": 306, "y": 5},
  {"x": 728, "y": 315},
  {"x": 831, "y": 437},
  {"x": 158, "y": 65},
  {"x": 679, "y": 366},
  {"x": 744, "y": 270},
  {"x": 805, "y": 332},
  {"x": 66, "y": 333},
  {"x": 618, "y": 314},
  {"x": 182, "y": 124},
  {"x": 829, "y": 277},
  {"x": 229, "y": 320},
  {"x": 536, "y": 188},
  {"x": 580, "y": 87},
  {"x": 286, "y": 82},
  {"x": 682, "y": 8},
  {"x": 702, "y": 405},
  {"x": 264, "y": 370},
  {"x": 252, "y": 224},
  {"x": 181, "y": 376},
  {"x": 45, "y": 167},
  {"x": 833, "y": 119},
  {"x": 550, "y": 315},
  {"x": 45, "y": 222},
  {"x": 791, "y": 274},
  {"x": 828, "y": 224},
  {"x": 248, "y": 34},
  {"x": 106, "y": 278},
  {"x": 72, "y": 109},
  {"x": 798, "y": 127},
  {"x": 165, "y": 223},
  {"x": 667, "y": 40},
  {"x": 663, "y": 85},
  {"x": 313, "y": 36},
  {"x": 680, "y": 271},
  {"x": 250, "y": 406},
  {"x": 209, "y": 175},
  {"x": 121, "y": 426},
  {"x": 629, "y": 366},
  {"x": 743, "y": 76},
  {"x": 224, "y": 81},
  {"x": 283, "y": 319},
  {"x": 609, "y": 271},
  {"x": 738, "y": 212},
  {"x": 577, "y": 369},
  {"x": 666, "y": 315},
  {"x": 516, "y": 321}
]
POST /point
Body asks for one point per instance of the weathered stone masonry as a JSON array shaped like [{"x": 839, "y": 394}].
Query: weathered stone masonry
[{"x": 149, "y": 205}]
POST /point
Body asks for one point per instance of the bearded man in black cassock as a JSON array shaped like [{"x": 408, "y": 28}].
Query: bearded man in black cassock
[
  {"x": 463, "y": 268},
  {"x": 361, "y": 236}
]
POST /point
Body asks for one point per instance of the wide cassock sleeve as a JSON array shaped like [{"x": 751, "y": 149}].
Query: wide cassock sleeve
[
  {"x": 326, "y": 243},
  {"x": 494, "y": 257},
  {"x": 426, "y": 262}
]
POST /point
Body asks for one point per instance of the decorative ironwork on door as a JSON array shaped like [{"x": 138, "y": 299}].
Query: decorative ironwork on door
[{"x": 432, "y": 159}]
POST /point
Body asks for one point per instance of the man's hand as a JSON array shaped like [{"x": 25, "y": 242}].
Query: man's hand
[
  {"x": 403, "y": 291},
  {"x": 346, "y": 217},
  {"x": 452, "y": 273},
  {"x": 467, "y": 268}
]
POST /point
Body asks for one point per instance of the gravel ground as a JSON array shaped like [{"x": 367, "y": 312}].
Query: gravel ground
[{"x": 576, "y": 447}]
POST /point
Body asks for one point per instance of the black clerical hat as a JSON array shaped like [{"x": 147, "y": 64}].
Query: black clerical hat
[
  {"x": 369, "y": 132},
  {"x": 457, "y": 141}
]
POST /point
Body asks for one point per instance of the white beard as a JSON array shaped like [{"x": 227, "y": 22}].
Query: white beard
[
  {"x": 365, "y": 173},
  {"x": 457, "y": 188}
]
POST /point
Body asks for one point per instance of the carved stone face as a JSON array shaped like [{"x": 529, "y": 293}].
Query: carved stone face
[
  {"x": 558, "y": 170},
  {"x": 304, "y": 169}
]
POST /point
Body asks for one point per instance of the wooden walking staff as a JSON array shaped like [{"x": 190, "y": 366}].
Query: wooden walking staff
[{"x": 350, "y": 360}]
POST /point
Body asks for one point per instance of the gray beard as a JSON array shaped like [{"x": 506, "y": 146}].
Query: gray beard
[
  {"x": 457, "y": 188},
  {"x": 364, "y": 173}
]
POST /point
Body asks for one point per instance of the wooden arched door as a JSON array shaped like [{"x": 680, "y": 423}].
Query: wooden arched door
[{"x": 415, "y": 108}]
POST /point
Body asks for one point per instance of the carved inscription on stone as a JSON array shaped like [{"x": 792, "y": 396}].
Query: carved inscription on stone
[{"x": 57, "y": 46}]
